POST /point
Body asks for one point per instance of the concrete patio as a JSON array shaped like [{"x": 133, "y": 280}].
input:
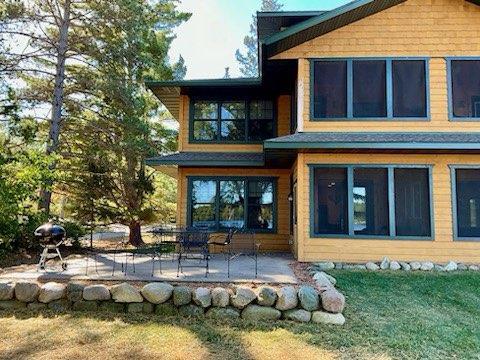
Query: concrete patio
[{"x": 272, "y": 268}]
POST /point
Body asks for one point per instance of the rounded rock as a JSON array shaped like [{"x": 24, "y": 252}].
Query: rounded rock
[
  {"x": 51, "y": 291},
  {"x": 7, "y": 289},
  {"x": 451, "y": 266},
  {"x": 266, "y": 296},
  {"x": 405, "y": 266},
  {"x": 191, "y": 311},
  {"x": 26, "y": 291},
  {"x": 394, "y": 266},
  {"x": 298, "y": 315},
  {"x": 222, "y": 313},
  {"x": 125, "y": 293},
  {"x": 372, "y": 266},
  {"x": 242, "y": 297},
  {"x": 385, "y": 264},
  {"x": 427, "y": 266},
  {"x": 333, "y": 301},
  {"x": 220, "y": 297},
  {"x": 308, "y": 297},
  {"x": 321, "y": 317},
  {"x": 415, "y": 265},
  {"x": 260, "y": 313},
  {"x": 157, "y": 293},
  {"x": 182, "y": 295},
  {"x": 287, "y": 298},
  {"x": 96, "y": 292},
  {"x": 326, "y": 265},
  {"x": 202, "y": 297}
]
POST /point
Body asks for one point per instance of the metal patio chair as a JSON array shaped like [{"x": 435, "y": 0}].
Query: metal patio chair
[{"x": 193, "y": 246}]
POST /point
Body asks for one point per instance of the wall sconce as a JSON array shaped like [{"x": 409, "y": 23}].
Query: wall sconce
[{"x": 290, "y": 197}]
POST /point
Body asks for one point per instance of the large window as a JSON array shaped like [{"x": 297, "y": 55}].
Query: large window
[
  {"x": 464, "y": 88},
  {"x": 371, "y": 201},
  {"x": 369, "y": 89},
  {"x": 232, "y": 121},
  {"x": 223, "y": 203},
  {"x": 467, "y": 203}
]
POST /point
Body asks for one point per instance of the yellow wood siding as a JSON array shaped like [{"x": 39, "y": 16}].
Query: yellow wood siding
[
  {"x": 441, "y": 249},
  {"x": 427, "y": 28},
  {"x": 283, "y": 126},
  {"x": 269, "y": 242}
]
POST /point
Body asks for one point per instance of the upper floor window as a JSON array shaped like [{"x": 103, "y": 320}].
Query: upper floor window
[
  {"x": 232, "y": 121},
  {"x": 369, "y": 89},
  {"x": 464, "y": 88}
]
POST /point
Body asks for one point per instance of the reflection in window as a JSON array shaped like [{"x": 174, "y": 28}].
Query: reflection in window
[
  {"x": 331, "y": 201},
  {"x": 261, "y": 122},
  {"x": 260, "y": 205},
  {"x": 370, "y": 201},
  {"x": 412, "y": 202},
  {"x": 468, "y": 202},
  {"x": 203, "y": 204},
  {"x": 409, "y": 88},
  {"x": 465, "y": 85},
  {"x": 232, "y": 200},
  {"x": 330, "y": 89}
]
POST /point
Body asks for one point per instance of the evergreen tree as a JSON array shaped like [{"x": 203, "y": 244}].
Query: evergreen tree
[{"x": 249, "y": 59}]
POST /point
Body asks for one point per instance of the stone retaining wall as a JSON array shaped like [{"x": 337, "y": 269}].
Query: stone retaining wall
[{"x": 303, "y": 304}]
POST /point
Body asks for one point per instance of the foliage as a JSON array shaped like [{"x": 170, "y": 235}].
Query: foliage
[{"x": 249, "y": 59}]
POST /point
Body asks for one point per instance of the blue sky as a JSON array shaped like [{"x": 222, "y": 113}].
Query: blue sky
[{"x": 216, "y": 29}]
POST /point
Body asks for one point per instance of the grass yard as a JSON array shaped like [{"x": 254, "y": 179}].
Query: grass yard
[{"x": 389, "y": 316}]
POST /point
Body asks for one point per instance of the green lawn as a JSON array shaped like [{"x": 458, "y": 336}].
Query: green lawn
[{"x": 389, "y": 316}]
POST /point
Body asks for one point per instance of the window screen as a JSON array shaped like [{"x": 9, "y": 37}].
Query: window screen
[
  {"x": 261, "y": 122},
  {"x": 465, "y": 85},
  {"x": 331, "y": 201},
  {"x": 409, "y": 88},
  {"x": 330, "y": 89},
  {"x": 412, "y": 202},
  {"x": 205, "y": 120},
  {"x": 369, "y": 89},
  {"x": 203, "y": 204},
  {"x": 232, "y": 201},
  {"x": 468, "y": 202},
  {"x": 260, "y": 205}
]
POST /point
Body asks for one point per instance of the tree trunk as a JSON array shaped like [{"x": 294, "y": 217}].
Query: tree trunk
[
  {"x": 135, "y": 237},
  {"x": 57, "y": 100}
]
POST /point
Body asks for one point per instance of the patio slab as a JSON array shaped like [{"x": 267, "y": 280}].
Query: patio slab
[{"x": 272, "y": 269}]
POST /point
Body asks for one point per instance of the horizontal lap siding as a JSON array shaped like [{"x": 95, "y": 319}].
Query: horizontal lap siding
[
  {"x": 283, "y": 128},
  {"x": 426, "y": 28},
  {"x": 443, "y": 248},
  {"x": 269, "y": 242}
]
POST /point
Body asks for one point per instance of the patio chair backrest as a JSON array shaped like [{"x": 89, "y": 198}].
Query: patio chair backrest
[{"x": 244, "y": 241}]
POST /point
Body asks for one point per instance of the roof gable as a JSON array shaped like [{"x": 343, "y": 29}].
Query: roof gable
[{"x": 325, "y": 23}]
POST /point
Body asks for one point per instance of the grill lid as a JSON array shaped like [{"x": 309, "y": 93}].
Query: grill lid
[{"x": 50, "y": 230}]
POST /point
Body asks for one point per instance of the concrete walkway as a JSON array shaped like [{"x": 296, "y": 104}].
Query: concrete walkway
[{"x": 272, "y": 268}]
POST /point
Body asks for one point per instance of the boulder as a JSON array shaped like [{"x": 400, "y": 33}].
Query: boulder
[
  {"x": 354, "y": 267},
  {"x": 191, "y": 311},
  {"x": 260, "y": 313},
  {"x": 308, "y": 297},
  {"x": 322, "y": 281},
  {"x": 96, "y": 292},
  {"x": 112, "y": 307},
  {"x": 415, "y": 265},
  {"x": 220, "y": 297},
  {"x": 372, "y": 266},
  {"x": 451, "y": 266},
  {"x": 462, "y": 267},
  {"x": 339, "y": 266},
  {"x": 405, "y": 266},
  {"x": 182, "y": 295},
  {"x": 321, "y": 317},
  {"x": 36, "y": 306},
  {"x": 84, "y": 305},
  {"x": 202, "y": 297},
  {"x": 148, "y": 308},
  {"x": 75, "y": 291},
  {"x": 157, "y": 293},
  {"x": 51, "y": 291},
  {"x": 439, "y": 268},
  {"x": 266, "y": 296},
  {"x": 427, "y": 266},
  {"x": 330, "y": 278},
  {"x": 385, "y": 264},
  {"x": 326, "y": 265},
  {"x": 298, "y": 315},
  {"x": 7, "y": 290},
  {"x": 394, "y": 266},
  {"x": 243, "y": 296},
  {"x": 287, "y": 298},
  {"x": 473, "y": 268},
  {"x": 222, "y": 313},
  {"x": 125, "y": 293},
  {"x": 12, "y": 305},
  {"x": 333, "y": 301},
  {"x": 26, "y": 291},
  {"x": 166, "y": 309}
]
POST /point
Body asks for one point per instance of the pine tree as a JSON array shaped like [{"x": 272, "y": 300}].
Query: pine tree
[{"x": 249, "y": 60}]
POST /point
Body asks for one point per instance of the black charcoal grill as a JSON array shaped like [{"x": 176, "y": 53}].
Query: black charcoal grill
[{"x": 50, "y": 236}]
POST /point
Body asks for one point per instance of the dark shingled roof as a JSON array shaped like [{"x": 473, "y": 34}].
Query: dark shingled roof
[
  {"x": 209, "y": 159},
  {"x": 320, "y": 140}
]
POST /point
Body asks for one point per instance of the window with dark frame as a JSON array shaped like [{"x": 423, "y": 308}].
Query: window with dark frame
[
  {"x": 242, "y": 203},
  {"x": 467, "y": 189},
  {"x": 354, "y": 89},
  {"x": 465, "y": 88},
  {"x": 233, "y": 121},
  {"x": 373, "y": 211}
]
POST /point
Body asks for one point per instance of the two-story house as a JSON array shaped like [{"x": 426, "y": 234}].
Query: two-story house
[{"x": 360, "y": 139}]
